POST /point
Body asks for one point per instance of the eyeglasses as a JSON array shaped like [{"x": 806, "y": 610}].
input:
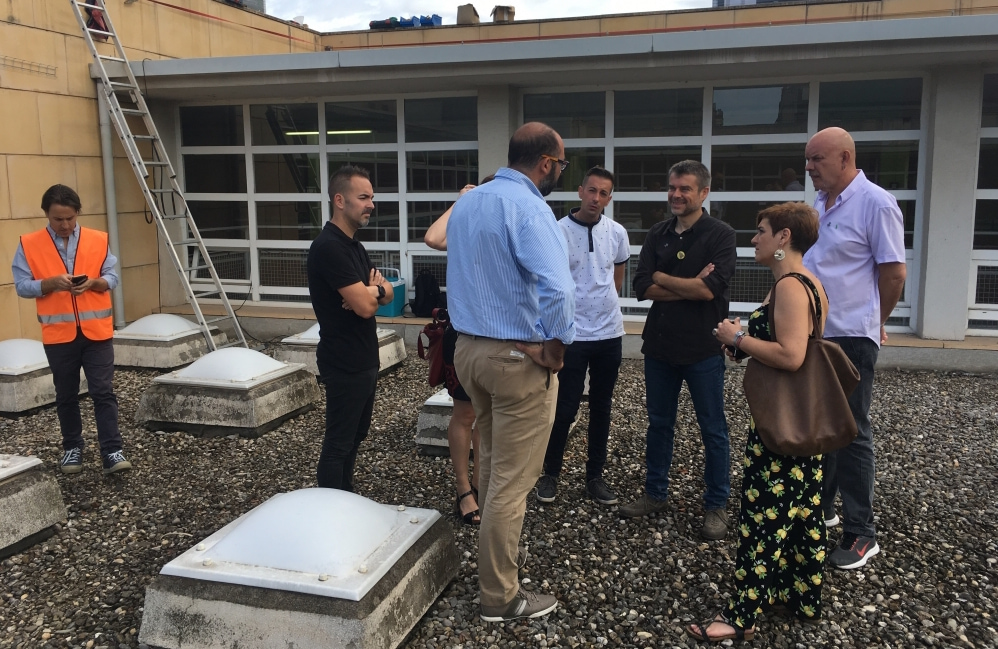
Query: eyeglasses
[{"x": 561, "y": 163}]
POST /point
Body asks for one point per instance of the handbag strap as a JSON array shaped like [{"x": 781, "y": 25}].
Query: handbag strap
[{"x": 810, "y": 289}]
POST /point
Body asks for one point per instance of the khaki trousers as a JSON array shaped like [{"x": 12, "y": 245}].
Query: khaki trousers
[{"x": 514, "y": 401}]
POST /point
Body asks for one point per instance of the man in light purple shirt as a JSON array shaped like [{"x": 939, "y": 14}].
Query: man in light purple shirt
[{"x": 860, "y": 259}]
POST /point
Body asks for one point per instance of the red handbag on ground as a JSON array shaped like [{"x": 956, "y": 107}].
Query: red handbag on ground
[{"x": 433, "y": 350}]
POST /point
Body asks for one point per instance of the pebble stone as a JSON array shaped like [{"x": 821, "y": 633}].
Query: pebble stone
[{"x": 633, "y": 583}]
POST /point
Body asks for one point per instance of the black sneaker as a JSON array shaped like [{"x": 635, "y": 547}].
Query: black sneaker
[
  {"x": 854, "y": 551},
  {"x": 114, "y": 462},
  {"x": 598, "y": 491},
  {"x": 547, "y": 488},
  {"x": 72, "y": 461}
]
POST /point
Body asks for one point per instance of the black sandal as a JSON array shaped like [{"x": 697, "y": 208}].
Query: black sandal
[
  {"x": 469, "y": 518},
  {"x": 699, "y": 631}
]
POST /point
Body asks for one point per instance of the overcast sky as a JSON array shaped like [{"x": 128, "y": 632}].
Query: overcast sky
[{"x": 329, "y": 16}]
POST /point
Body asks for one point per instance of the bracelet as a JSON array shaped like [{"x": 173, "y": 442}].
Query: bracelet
[{"x": 738, "y": 340}]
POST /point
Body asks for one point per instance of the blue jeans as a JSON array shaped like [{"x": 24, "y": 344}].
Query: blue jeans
[
  {"x": 705, "y": 381},
  {"x": 850, "y": 471},
  {"x": 602, "y": 359}
]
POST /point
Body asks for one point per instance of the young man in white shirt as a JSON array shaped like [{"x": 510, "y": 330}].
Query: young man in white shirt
[{"x": 598, "y": 252}]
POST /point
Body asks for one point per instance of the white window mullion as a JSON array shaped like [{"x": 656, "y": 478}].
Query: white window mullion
[
  {"x": 405, "y": 259},
  {"x": 254, "y": 258}
]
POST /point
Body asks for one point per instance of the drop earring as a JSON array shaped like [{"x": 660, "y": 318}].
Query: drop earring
[{"x": 779, "y": 255}]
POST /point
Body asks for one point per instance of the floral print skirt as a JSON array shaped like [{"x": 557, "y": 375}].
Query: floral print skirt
[{"x": 781, "y": 551}]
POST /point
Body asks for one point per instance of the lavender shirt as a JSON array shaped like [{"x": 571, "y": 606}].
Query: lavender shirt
[{"x": 862, "y": 229}]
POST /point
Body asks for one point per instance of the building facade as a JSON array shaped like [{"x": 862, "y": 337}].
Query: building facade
[{"x": 255, "y": 137}]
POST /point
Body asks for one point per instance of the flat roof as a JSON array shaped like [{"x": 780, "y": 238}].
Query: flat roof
[{"x": 745, "y": 52}]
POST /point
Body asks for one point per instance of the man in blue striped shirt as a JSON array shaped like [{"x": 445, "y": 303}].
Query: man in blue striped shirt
[{"x": 511, "y": 296}]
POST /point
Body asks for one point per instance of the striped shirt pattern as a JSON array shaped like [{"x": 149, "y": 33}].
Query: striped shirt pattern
[{"x": 507, "y": 264}]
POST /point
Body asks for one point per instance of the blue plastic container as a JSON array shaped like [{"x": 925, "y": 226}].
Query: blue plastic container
[
  {"x": 394, "y": 308},
  {"x": 431, "y": 21}
]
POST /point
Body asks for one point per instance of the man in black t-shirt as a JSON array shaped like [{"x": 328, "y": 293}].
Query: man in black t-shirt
[
  {"x": 685, "y": 267},
  {"x": 346, "y": 291}
]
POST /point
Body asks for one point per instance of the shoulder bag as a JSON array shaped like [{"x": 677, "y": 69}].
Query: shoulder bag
[
  {"x": 805, "y": 412},
  {"x": 433, "y": 350}
]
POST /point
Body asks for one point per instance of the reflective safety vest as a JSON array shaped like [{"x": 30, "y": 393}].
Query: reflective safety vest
[{"x": 61, "y": 312}]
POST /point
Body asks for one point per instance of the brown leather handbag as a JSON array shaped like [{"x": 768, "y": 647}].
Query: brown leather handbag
[{"x": 805, "y": 412}]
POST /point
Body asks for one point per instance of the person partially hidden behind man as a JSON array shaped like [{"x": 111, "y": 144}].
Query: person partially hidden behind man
[{"x": 69, "y": 271}]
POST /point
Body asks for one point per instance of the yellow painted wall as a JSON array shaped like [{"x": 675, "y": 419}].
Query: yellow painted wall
[{"x": 51, "y": 133}]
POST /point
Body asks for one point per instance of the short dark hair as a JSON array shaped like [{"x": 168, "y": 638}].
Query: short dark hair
[
  {"x": 526, "y": 149},
  {"x": 800, "y": 218},
  {"x": 61, "y": 195},
  {"x": 600, "y": 172},
  {"x": 692, "y": 168},
  {"x": 340, "y": 180}
]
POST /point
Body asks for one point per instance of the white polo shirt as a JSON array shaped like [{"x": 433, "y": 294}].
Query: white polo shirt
[
  {"x": 593, "y": 251},
  {"x": 862, "y": 229}
]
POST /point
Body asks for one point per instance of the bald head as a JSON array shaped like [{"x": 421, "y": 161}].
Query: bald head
[
  {"x": 527, "y": 150},
  {"x": 831, "y": 160}
]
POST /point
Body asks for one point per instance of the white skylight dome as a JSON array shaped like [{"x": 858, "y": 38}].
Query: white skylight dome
[
  {"x": 21, "y": 355},
  {"x": 232, "y": 367},
  {"x": 159, "y": 326},
  {"x": 320, "y": 541},
  {"x": 308, "y": 337}
]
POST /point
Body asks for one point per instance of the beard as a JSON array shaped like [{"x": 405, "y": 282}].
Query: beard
[{"x": 549, "y": 183}]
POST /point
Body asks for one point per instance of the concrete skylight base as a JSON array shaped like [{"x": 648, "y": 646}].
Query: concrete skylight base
[{"x": 30, "y": 503}]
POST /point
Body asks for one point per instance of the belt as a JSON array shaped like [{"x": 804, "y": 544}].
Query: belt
[{"x": 497, "y": 340}]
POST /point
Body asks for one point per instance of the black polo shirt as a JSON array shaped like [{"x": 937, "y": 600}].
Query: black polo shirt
[
  {"x": 347, "y": 342},
  {"x": 679, "y": 332}
]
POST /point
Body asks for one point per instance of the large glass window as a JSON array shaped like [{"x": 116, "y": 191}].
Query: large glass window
[
  {"x": 987, "y": 168},
  {"x": 741, "y": 216},
  {"x": 871, "y": 105},
  {"x": 638, "y": 217},
  {"x": 986, "y": 226},
  {"x": 220, "y": 219},
  {"x": 579, "y": 162},
  {"x": 288, "y": 221},
  {"x": 572, "y": 114},
  {"x": 211, "y": 125},
  {"x": 989, "y": 114},
  {"x": 215, "y": 173},
  {"x": 361, "y": 122},
  {"x": 284, "y": 267},
  {"x": 658, "y": 113},
  {"x": 441, "y": 171},
  {"x": 422, "y": 214},
  {"x": 442, "y": 119},
  {"x": 647, "y": 169},
  {"x": 761, "y": 109},
  {"x": 280, "y": 124},
  {"x": 757, "y": 167},
  {"x": 286, "y": 173},
  {"x": 892, "y": 165}
]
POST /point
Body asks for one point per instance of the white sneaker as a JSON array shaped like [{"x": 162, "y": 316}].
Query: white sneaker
[{"x": 832, "y": 522}]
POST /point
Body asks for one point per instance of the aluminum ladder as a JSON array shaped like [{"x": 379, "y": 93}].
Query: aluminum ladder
[{"x": 148, "y": 158}]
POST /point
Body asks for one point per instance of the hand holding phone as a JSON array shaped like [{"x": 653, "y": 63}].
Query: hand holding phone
[{"x": 78, "y": 279}]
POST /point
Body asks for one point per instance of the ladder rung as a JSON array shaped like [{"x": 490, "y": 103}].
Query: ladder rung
[
  {"x": 155, "y": 163},
  {"x": 111, "y": 58},
  {"x": 99, "y": 31},
  {"x": 186, "y": 242},
  {"x": 144, "y": 137},
  {"x": 219, "y": 319},
  {"x": 207, "y": 293},
  {"x": 193, "y": 268},
  {"x": 173, "y": 216},
  {"x": 90, "y": 6},
  {"x": 162, "y": 191},
  {"x": 120, "y": 84},
  {"x": 132, "y": 111}
]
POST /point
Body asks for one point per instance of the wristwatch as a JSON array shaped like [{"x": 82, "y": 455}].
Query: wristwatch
[{"x": 381, "y": 291}]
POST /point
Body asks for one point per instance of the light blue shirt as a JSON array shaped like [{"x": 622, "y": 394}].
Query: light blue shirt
[
  {"x": 507, "y": 264},
  {"x": 27, "y": 286}
]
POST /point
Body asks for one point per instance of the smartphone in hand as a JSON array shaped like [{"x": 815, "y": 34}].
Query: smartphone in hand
[{"x": 78, "y": 279}]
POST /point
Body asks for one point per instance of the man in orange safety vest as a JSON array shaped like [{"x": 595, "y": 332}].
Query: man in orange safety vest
[{"x": 69, "y": 271}]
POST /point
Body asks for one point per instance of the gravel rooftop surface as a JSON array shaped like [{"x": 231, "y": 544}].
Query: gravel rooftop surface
[{"x": 621, "y": 583}]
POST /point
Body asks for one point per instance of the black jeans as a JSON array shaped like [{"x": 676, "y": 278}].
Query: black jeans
[
  {"x": 602, "y": 359},
  {"x": 96, "y": 357},
  {"x": 851, "y": 471},
  {"x": 349, "y": 404}
]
